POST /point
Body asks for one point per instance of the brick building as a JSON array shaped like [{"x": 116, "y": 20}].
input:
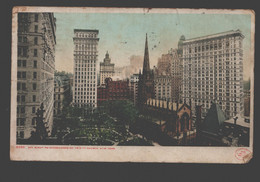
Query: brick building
[{"x": 113, "y": 90}]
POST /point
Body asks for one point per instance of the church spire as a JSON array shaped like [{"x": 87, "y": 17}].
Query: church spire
[{"x": 146, "y": 64}]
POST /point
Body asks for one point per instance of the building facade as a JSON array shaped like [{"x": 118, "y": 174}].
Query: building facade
[
  {"x": 162, "y": 87},
  {"x": 85, "y": 64},
  {"x": 35, "y": 70},
  {"x": 113, "y": 90},
  {"x": 61, "y": 93},
  {"x": 213, "y": 71},
  {"x": 133, "y": 86},
  {"x": 164, "y": 64},
  {"x": 107, "y": 69},
  {"x": 176, "y": 75}
]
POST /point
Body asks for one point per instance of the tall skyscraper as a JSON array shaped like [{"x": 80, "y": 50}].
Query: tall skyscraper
[
  {"x": 35, "y": 70},
  {"x": 164, "y": 64},
  {"x": 107, "y": 69},
  {"x": 176, "y": 75},
  {"x": 134, "y": 87},
  {"x": 146, "y": 79},
  {"x": 213, "y": 71},
  {"x": 85, "y": 64}
]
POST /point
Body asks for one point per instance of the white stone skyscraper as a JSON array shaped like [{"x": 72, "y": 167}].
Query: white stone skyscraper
[
  {"x": 213, "y": 72},
  {"x": 35, "y": 70},
  {"x": 85, "y": 65}
]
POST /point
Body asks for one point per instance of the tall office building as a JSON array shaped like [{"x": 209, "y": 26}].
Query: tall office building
[
  {"x": 134, "y": 87},
  {"x": 107, "y": 69},
  {"x": 85, "y": 64},
  {"x": 213, "y": 71},
  {"x": 176, "y": 75},
  {"x": 164, "y": 64},
  {"x": 35, "y": 70}
]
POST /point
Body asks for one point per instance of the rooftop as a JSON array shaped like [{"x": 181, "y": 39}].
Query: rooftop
[
  {"x": 231, "y": 32},
  {"x": 86, "y": 30},
  {"x": 214, "y": 119},
  {"x": 240, "y": 121}
]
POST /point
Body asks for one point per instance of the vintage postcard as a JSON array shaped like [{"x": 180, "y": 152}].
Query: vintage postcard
[{"x": 132, "y": 85}]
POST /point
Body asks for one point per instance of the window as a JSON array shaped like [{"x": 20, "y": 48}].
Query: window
[
  {"x": 19, "y": 63},
  {"x": 21, "y": 134},
  {"x": 23, "y": 109},
  {"x": 33, "y": 121},
  {"x": 18, "y": 98},
  {"x": 18, "y": 86},
  {"x": 23, "y": 86},
  {"x": 36, "y": 17},
  {"x": 35, "y": 28},
  {"x": 22, "y": 51},
  {"x": 34, "y": 75},
  {"x": 22, "y": 121},
  {"x": 35, "y": 40},
  {"x": 34, "y": 98},
  {"x": 35, "y": 52},
  {"x": 35, "y": 64},
  {"x": 23, "y": 98},
  {"x": 24, "y": 74},
  {"x": 34, "y": 86},
  {"x": 33, "y": 109},
  {"x": 24, "y": 63}
]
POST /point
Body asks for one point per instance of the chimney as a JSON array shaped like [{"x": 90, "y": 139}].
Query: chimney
[{"x": 235, "y": 120}]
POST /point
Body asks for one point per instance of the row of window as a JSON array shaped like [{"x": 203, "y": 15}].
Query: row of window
[
  {"x": 22, "y": 86},
  {"x": 21, "y": 121},
  {"x": 22, "y": 74},
  {"x": 21, "y": 109},
  {"x": 23, "y": 51},
  {"x": 86, "y": 35},
  {"x": 23, "y": 63}
]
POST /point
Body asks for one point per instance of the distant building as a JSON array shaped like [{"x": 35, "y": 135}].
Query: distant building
[
  {"x": 61, "y": 93},
  {"x": 164, "y": 64},
  {"x": 146, "y": 79},
  {"x": 35, "y": 70},
  {"x": 107, "y": 69},
  {"x": 162, "y": 87},
  {"x": 85, "y": 64},
  {"x": 134, "y": 87},
  {"x": 213, "y": 71},
  {"x": 176, "y": 75},
  {"x": 113, "y": 90},
  {"x": 135, "y": 64}
]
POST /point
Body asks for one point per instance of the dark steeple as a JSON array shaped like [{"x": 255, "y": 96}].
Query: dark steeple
[{"x": 146, "y": 65}]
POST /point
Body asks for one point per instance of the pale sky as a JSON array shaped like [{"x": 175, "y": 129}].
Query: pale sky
[{"x": 123, "y": 35}]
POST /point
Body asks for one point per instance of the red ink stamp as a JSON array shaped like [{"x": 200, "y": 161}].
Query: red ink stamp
[{"x": 243, "y": 154}]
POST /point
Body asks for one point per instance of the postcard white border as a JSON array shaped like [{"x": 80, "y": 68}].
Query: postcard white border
[{"x": 124, "y": 153}]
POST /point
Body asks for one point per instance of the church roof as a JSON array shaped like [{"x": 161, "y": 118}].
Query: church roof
[{"x": 213, "y": 120}]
